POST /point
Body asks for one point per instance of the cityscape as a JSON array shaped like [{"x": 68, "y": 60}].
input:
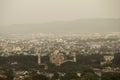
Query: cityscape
[
  {"x": 59, "y": 39},
  {"x": 43, "y": 56}
]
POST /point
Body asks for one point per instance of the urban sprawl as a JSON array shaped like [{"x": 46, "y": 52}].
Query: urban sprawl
[{"x": 68, "y": 56}]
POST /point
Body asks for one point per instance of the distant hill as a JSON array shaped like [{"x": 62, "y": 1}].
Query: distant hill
[{"x": 82, "y": 25}]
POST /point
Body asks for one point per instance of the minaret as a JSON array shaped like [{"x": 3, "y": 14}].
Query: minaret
[
  {"x": 74, "y": 57},
  {"x": 39, "y": 57}
]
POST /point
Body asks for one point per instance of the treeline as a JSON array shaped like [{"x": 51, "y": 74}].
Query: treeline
[
  {"x": 116, "y": 60},
  {"x": 83, "y": 61}
]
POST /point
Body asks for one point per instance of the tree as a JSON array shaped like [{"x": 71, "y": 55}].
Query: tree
[
  {"x": 29, "y": 78},
  {"x": 39, "y": 77},
  {"x": 56, "y": 76},
  {"x": 89, "y": 76},
  {"x": 116, "y": 60},
  {"x": 110, "y": 76},
  {"x": 9, "y": 74},
  {"x": 70, "y": 76}
]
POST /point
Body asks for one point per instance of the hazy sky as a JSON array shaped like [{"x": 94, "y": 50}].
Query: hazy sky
[{"x": 38, "y": 11}]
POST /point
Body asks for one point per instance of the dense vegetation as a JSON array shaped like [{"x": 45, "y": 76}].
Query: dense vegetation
[{"x": 84, "y": 65}]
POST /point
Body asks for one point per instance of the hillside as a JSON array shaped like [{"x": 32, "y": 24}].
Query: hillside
[{"x": 83, "y": 25}]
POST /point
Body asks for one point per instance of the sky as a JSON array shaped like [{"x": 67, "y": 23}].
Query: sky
[{"x": 40, "y": 11}]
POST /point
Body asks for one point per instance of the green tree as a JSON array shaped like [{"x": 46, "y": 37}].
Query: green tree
[
  {"x": 56, "y": 76},
  {"x": 89, "y": 76},
  {"x": 116, "y": 60},
  {"x": 39, "y": 77},
  {"x": 110, "y": 76},
  {"x": 9, "y": 74},
  {"x": 70, "y": 76}
]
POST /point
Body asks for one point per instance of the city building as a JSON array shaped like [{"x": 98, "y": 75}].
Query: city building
[
  {"x": 59, "y": 58},
  {"x": 107, "y": 58}
]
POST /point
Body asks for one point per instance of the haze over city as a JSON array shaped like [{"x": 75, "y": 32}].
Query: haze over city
[
  {"x": 59, "y": 39},
  {"x": 30, "y": 16}
]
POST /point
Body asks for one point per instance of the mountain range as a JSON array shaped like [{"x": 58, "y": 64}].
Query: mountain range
[{"x": 75, "y": 26}]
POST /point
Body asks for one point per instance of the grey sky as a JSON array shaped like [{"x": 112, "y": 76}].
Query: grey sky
[{"x": 38, "y": 11}]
